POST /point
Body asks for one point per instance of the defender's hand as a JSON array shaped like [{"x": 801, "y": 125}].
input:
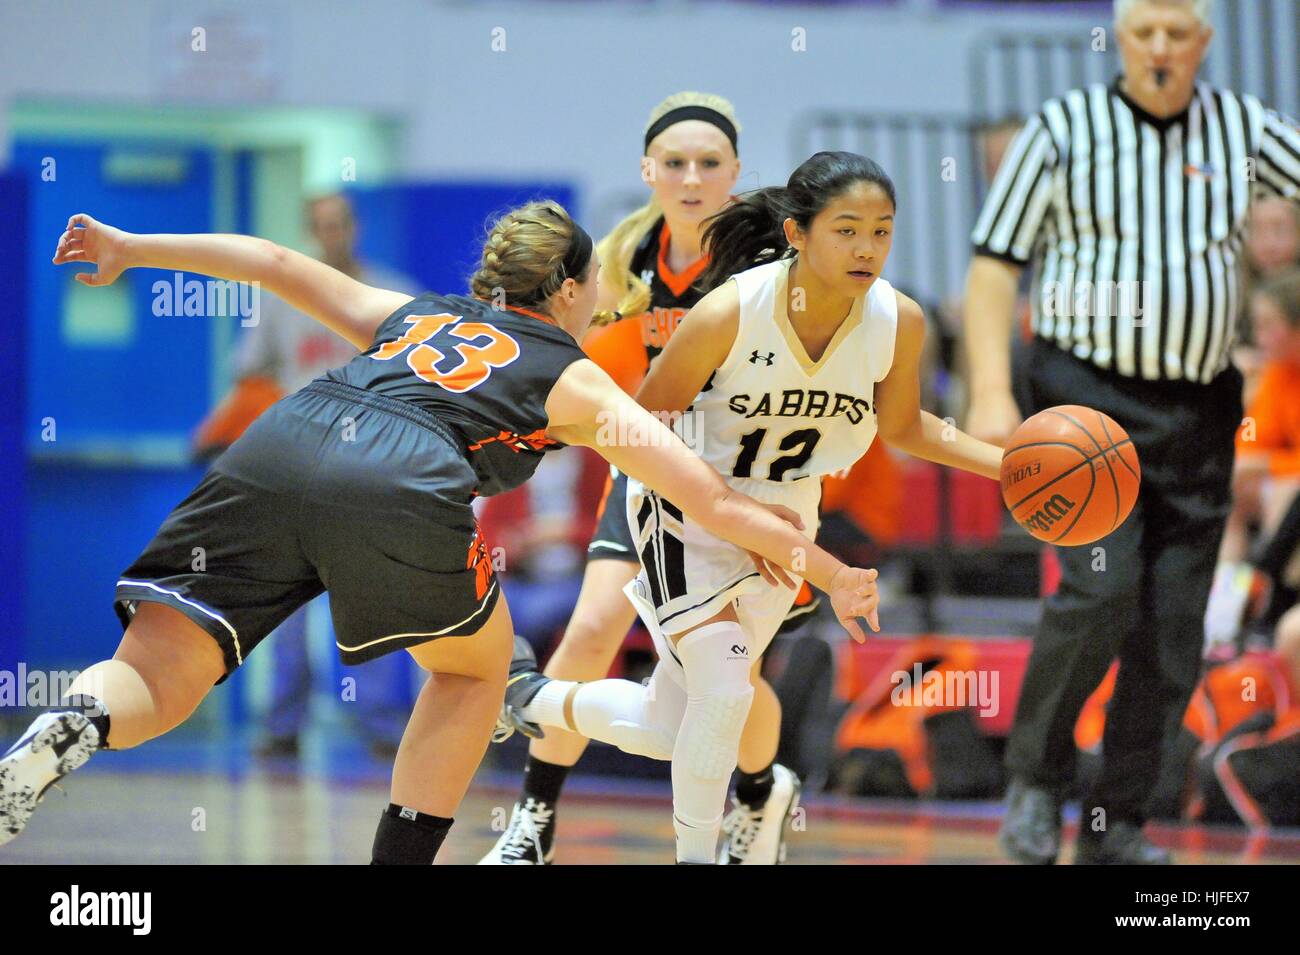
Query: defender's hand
[{"x": 87, "y": 240}]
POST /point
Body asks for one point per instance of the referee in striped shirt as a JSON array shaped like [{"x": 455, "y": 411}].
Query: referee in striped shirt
[{"x": 1130, "y": 201}]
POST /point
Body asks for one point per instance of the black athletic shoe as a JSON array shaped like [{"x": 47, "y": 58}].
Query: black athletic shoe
[
  {"x": 1121, "y": 844},
  {"x": 1031, "y": 829},
  {"x": 521, "y": 687},
  {"x": 528, "y": 837}
]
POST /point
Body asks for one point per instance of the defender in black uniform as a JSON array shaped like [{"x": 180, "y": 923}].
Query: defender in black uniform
[{"x": 360, "y": 484}]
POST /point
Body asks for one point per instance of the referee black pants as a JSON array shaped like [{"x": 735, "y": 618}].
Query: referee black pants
[{"x": 1138, "y": 594}]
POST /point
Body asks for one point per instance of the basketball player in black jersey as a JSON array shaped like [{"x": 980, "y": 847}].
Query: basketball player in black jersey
[
  {"x": 652, "y": 262},
  {"x": 360, "y": 484}
]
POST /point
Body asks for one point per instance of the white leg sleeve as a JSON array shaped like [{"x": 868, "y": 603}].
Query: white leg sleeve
[
  {"x": 717, "y": 662},
  {"x": 641, "y": 720}
]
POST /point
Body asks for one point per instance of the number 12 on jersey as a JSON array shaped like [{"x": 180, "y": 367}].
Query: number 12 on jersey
[{"x": 801, "y": 442}]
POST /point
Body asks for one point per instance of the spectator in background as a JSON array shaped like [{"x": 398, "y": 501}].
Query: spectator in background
[
  {"x": 280, "y": 354},
  {"x": 1273, "y": 242},
  {"x": 1266, "y": 474},
  {"x": 1272, "y": 248}
]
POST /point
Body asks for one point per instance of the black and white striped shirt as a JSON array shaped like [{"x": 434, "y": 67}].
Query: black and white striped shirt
[{"x": 1136, "y": 223}]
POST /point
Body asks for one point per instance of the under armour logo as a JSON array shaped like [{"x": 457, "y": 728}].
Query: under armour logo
[
  {"x": 755, "y": 358},
  {"x": 740, "y": 649},
  {"x": 647, "y": 276}
]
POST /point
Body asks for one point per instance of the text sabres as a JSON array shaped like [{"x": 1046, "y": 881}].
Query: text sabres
[{"x": 801, "y": 403}]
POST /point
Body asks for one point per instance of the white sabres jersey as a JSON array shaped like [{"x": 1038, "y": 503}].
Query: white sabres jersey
[{"x": 771, "y": 413}]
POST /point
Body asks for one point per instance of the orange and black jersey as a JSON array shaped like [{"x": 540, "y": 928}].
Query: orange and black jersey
[
  {"x": 483, "y": 371},
  {"x": 672, "y": 294}
]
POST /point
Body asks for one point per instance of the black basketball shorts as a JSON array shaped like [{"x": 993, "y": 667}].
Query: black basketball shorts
[
  {"x": 333, "y": 488},
  {"x": 612, "y": 539}
]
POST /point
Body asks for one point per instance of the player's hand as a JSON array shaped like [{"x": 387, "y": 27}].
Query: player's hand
[
  {"x": 992, "y": 417},
  {"x": 96, "y": 243},
  {"x": 775, "y": 574},
  {"x": 853, "y": 594}
]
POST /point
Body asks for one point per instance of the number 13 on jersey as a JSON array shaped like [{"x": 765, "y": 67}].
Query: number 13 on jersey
[{"x": 478, "y": 358}]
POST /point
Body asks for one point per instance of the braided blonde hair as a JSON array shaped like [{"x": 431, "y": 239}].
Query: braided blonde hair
[
  {"x": 523, "y": 255},
  {"x": 617, "y": 248}
]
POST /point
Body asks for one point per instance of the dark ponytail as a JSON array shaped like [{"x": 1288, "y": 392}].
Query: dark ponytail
[
  {"x": 750, "y": 231},
  {"x": 746, "y": 233}
]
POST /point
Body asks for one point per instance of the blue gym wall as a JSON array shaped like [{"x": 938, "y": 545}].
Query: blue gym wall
[{"x": 13, "y": 292}]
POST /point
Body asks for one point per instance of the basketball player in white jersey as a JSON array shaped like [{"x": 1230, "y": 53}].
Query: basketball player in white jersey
[
  {"x": 651, "y": 263},
  {"x": 784, "y": 374}
]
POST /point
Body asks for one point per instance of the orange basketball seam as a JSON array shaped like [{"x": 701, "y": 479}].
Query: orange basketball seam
[
  {"x": 1101, "y": 420},
  {"x": 1096, "y": 444},
  {"x": 1135, "y": 474}
]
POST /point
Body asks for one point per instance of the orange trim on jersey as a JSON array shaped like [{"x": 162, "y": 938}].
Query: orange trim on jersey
[
  {"x": 604, "y": 497},
  {"x": 478, "y": 562},
  {"x": 517, "y": 442},
  {"x": 524, "y": 311},
  {"x": 678, "y": 282}
]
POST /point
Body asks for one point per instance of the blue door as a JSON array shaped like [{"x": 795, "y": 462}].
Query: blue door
[{"x": 112, "y": 390}]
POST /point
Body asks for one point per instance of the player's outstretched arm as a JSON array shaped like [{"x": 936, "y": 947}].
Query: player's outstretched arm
[
  {"x": 586, "y": 407},
  {"x": 902, "y": 424},
  {"x": 347, "y": 307}
]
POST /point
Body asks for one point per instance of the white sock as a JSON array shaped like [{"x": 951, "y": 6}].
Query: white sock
[
  {"x": 624, "y": 714},
  {"x": 547, "y": 705}
]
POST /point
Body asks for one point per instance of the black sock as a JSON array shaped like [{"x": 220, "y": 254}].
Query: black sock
[
  {"x": 753, "y": 788},
  {"x": 91, "y": 708},
  {"x": 407, "y": 837},
  {"x": 543, "y": 781}
]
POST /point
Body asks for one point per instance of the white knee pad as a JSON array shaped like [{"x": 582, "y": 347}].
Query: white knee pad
[{"x": 717, "y": 662}]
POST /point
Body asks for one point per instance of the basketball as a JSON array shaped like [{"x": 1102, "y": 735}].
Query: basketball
[{"x": 1070, "y": 475}]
